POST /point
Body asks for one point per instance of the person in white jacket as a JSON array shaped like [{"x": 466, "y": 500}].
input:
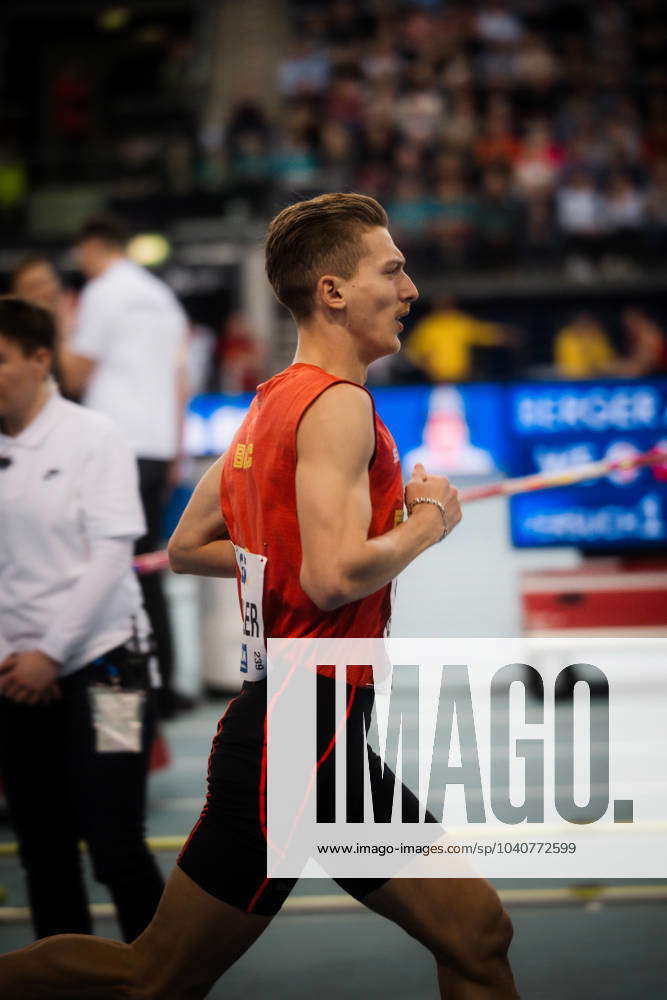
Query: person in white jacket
[{"x": 76, "y": 711}]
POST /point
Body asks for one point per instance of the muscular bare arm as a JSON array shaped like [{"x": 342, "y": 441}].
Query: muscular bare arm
[
  {"x": 200, "y": 544},
  {"x": 340, "y": 563}
]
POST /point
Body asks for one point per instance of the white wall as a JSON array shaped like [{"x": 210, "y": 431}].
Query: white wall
[{"x": 468, "y": 585}]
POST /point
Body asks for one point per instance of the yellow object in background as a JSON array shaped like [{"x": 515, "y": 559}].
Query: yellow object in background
[
  {"x": 582, "y": 349},
  {"x": 441, "y": 344}
]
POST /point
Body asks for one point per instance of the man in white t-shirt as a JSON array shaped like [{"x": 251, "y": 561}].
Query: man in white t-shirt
[{"x": 126, "y": 358}]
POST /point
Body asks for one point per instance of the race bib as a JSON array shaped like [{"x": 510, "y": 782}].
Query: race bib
[{"x": 253, "y": 650}]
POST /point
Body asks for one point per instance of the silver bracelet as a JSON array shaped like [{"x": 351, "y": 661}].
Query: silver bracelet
[{"x": 436, "y": 503}]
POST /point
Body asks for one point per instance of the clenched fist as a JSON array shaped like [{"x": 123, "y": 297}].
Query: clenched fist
[{"x": 438, "y": 488}]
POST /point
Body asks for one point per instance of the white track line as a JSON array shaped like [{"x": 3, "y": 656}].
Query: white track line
[{"x": 330, "y": 905}]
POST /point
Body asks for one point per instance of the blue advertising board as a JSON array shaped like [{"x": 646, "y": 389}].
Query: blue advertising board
[
  {"x": 555, "y": 426},
  {"x": 517, "y": 429},
  {"x": 455, "y": 430}
]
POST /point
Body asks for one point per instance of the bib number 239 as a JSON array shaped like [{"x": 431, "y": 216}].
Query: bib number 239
[{"x": 253, "y": 651}]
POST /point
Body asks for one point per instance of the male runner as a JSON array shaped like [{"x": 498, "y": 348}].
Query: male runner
[{"x": 310, "y": 495}]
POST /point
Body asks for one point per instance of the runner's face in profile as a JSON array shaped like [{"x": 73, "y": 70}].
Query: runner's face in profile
[{"x": 378, "y": 295}]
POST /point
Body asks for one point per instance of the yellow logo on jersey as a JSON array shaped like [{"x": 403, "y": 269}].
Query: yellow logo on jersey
[
  {"x": 398, "y": 516},
  {"x": 242, "y": 456}
]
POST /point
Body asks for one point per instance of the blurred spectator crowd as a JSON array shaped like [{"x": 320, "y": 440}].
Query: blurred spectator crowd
[
  {"x": 112, "y": 111},
  {"x": 530, "y": 133},
  {"x": 496, "y": 133},
  {"x": 524, "y": 136}
]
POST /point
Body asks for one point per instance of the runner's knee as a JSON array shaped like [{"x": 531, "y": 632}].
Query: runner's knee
[
  {"x": 503, "y": 932},
  {"x": 159, "y": 972},
  {"x": 73, "y": 962},
  {"x": 488, "y": 946},
  {"x": 481, "y": 946}
]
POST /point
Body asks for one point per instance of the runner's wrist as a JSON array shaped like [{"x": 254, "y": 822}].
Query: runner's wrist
[{"x": 435, "y": 511}]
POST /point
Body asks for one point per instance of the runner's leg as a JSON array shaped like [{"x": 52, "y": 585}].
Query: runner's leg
[
  {"x": 462, "y": 923},
  {"x": 460, "y": 920},
  {"x": 191, "y": 941}
]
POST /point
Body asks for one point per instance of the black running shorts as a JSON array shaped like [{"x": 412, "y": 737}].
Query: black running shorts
[{"x": 226, "y": 852}]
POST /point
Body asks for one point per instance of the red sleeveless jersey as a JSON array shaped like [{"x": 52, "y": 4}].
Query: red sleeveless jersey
[{"x": 258, "y": 500}]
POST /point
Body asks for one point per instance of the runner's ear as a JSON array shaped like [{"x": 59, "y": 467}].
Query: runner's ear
[{"x": 329, "y": 292}]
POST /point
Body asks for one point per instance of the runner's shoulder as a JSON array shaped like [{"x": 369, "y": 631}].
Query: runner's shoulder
[
  {"x": 346, "y": 400},
  {"x": 343, "y": 413}
]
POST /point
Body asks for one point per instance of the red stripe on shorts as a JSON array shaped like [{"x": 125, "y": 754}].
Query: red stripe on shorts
[{"x": 262, "y": 787}]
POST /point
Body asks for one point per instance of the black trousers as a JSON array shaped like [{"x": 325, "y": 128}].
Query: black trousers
[
  {"x": 153, "y": 488},
  {"x": 60, "y": 790}
]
